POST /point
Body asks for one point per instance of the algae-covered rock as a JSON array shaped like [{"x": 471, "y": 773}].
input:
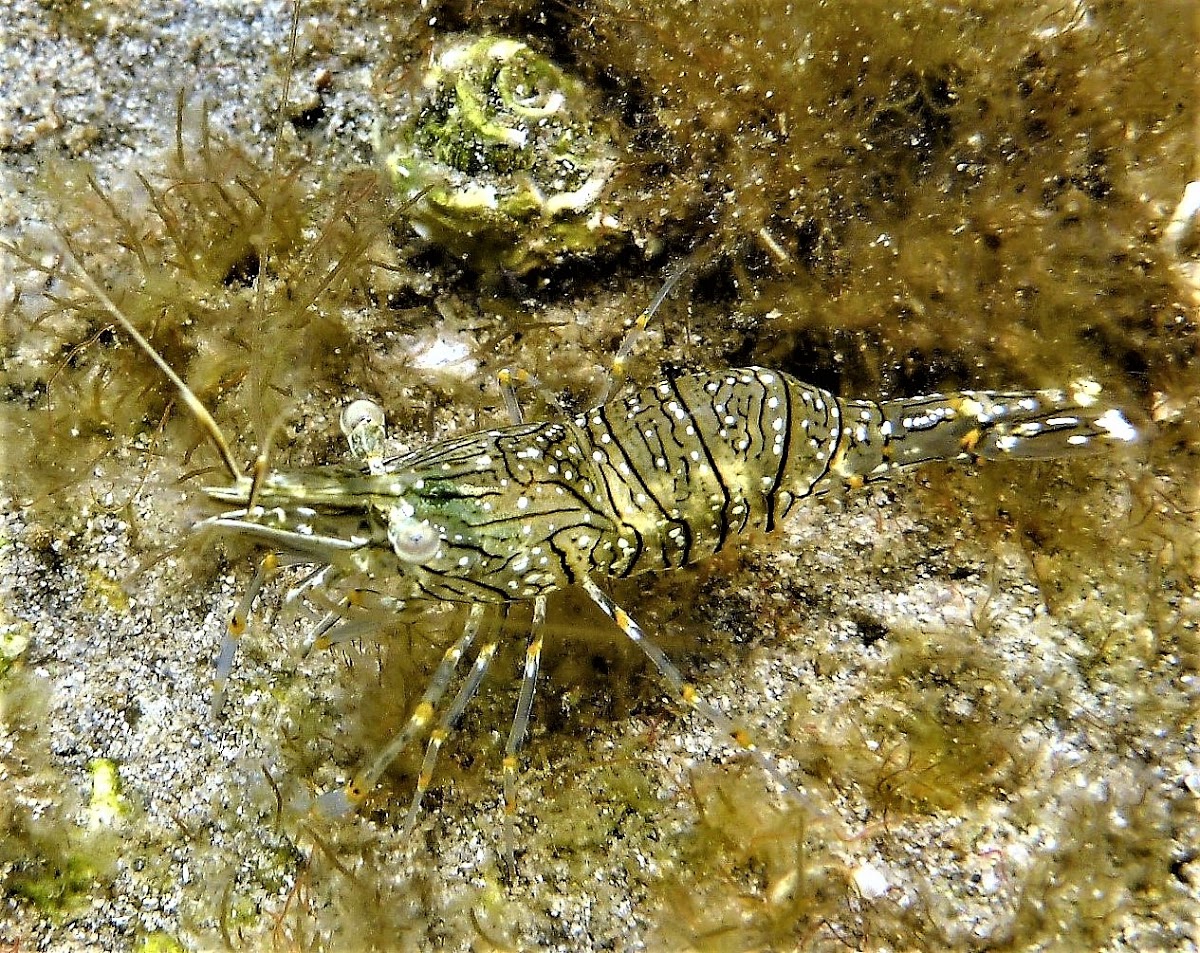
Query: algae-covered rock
[{"x": 513, "y": 155}]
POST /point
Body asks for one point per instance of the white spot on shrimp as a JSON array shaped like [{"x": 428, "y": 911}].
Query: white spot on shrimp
[
  {"x": 1114, "y": 423},
  {"x": 1085, "y": 393}
]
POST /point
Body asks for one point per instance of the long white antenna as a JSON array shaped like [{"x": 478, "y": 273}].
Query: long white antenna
[{"x": 84, "y": 278}]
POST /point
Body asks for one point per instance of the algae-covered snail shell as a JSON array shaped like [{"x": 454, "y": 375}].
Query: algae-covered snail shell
[{"x": 514, "y": 155}]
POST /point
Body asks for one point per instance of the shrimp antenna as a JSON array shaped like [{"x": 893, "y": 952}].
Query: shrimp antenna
[
  {"x": 84, "y": 278},
  {"x": 621, "y": 359}
]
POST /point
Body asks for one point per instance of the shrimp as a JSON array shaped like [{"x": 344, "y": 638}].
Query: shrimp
[{"x": 654, "y": 481}]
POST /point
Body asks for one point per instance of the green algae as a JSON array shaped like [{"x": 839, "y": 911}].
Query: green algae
[{"x": 51, "y": 857}]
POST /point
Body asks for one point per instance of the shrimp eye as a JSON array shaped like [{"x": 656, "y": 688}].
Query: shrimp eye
[{"x": 413, "y": 541}]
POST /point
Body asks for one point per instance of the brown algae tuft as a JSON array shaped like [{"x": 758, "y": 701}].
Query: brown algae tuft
[{"x": 248, "y": 278}]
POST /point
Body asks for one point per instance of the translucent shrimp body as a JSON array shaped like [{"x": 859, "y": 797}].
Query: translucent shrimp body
[{"x": 654, "y": 481}]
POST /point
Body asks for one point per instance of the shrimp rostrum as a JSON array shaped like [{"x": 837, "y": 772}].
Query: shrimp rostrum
[{"x": 652, "y": 481}]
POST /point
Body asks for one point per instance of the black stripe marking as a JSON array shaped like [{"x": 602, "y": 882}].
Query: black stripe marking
[
  {"x": 723, "y": 532},
  {"x": 770, "y": 495}
]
